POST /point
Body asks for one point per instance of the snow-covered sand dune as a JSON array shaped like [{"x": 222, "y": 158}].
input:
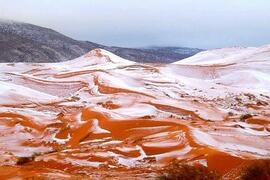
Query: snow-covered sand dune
[
  {"x": 237, "y": 67},
  {"x": 229, "y": 56},
  {"x": 101, "y": 115}
]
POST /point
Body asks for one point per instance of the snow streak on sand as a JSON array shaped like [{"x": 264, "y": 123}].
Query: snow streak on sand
[{"x": 102, "y": 116}]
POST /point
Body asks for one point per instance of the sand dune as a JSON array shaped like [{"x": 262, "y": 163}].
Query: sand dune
[{"x": 102, "y": 116}]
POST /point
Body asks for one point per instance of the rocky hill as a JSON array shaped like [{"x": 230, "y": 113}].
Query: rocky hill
[{"x": 22, "y": 42}]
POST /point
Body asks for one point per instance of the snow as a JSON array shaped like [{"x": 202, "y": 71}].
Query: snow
[
  {"x": 206, "y": 139},
  {"x": 236, "y": 67},
  {"x": 228, "y": 56},
  {"x": 9, "y": 90},
  {"x": 95, "y": 59}
]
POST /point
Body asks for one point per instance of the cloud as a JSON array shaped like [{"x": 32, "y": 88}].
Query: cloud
[{"x": 204, "y": 24}]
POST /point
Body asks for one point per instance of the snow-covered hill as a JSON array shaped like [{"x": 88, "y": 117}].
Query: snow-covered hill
[
  {"x": 96, "y": 59},
  {"x": 236, "y": 67},
  {"x": 229, "y": 56}
]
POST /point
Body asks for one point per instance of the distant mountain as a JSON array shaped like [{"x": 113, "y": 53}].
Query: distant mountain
[{"x": 22, "y": 42}]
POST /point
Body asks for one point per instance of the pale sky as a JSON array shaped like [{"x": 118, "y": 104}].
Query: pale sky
[{"x": 137, "y": 23}]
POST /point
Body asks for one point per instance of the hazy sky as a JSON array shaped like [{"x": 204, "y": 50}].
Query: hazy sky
[{"x": 192, "y": 23}]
